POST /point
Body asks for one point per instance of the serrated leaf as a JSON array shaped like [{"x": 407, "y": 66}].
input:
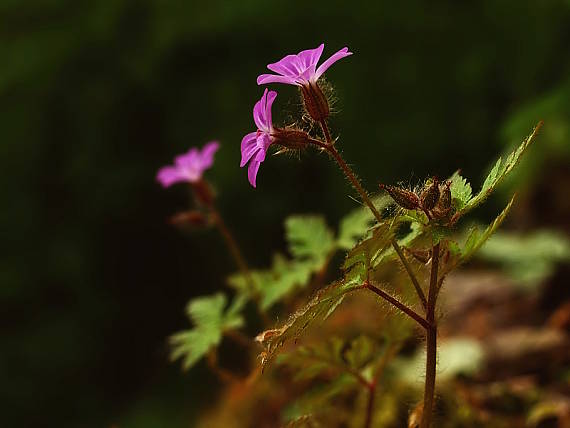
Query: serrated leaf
[
  {"x": 365, "y": 251},
  {"x": 461, "y": 191},
  {"x": 319, "y": 308},
  {"x": 309, "y": 237},
  {"x": 210, "y": 321},
  {"x": 498, "y": 173},
  {"x": 281, "y": 279},
  {"x": 476, "y": 239}
]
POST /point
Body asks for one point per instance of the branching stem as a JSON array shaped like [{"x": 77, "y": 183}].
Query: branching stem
[
  {"x": 392, "y": 300},
  {"x": 351, "y": 176}
]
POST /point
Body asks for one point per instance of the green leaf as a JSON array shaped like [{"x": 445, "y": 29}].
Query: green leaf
[
  {"x": 273, "y": 284},
  {"x": 319, "y": 308},
  {"x": 354, "y": 226},
  {"x": 363, "y": 253},
  {"x": 476, "y": 239},
  {"x": 210, "y": 321},
  {"x": 498, "y": 173},
  {"x": 461, "y": 191},
  {"x": 309, "y": 237},
  {"x": 527, "y": 258},
  {"x": 334, "y": 355}
]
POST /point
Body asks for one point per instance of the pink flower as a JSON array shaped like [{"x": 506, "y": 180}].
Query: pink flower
[
  {"x": 189, "y": 166},
  {"x": 301, "y": 69},
  {"x": 255, "y": 144}
]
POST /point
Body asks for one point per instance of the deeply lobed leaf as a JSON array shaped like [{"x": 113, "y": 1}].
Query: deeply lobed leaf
[{"x": 210, "y": 321}]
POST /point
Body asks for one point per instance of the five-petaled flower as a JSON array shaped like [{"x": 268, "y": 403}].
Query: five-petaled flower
[
  {"x": 189, "y": 166},
  {"x": 255, "y": 144},
  {"x": 301, "y": 69}
]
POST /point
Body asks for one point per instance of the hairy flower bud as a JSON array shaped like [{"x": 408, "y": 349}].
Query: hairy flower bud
[
  {"x": 315, "y": 102},
  {"x": 430, "y": 195},
  {"x": 443, "y": 206},
  {"x": 405, "y": 198},
  {"x": 294, "y": 139}
]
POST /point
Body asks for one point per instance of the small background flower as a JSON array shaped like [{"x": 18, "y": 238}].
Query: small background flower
[{"x": 189, "y": 166}]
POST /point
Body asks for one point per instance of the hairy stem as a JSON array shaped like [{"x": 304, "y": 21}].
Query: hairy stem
[
  {"x": 351, "y": 176},
  {"x": 408, "y": 268},
  {"x": 410, "y": 312},
  {"x": 431, "y": 341}
]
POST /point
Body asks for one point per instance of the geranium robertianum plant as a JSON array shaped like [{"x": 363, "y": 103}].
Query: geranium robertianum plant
[{"x": 401, "y": 227}]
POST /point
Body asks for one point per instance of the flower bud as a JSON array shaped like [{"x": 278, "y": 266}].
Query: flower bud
[
  {"x": 405, "y": 198},
  {"x": 190, "y": 218},
  {"x": 294, "y": 139},
  {"x": 443, "y": 206},
  {"x": 315, "y": 102},
  {"x": 430, "y": 195}
]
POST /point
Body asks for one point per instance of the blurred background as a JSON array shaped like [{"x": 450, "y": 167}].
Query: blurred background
[{"x": 95, "y": 96}]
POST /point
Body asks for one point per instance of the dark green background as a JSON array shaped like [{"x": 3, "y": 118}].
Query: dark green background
[{"x": 95, "y": 96}]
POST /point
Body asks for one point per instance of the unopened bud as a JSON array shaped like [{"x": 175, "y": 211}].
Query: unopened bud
[
  {"x": 405, "y": 198},
  {"x": 190, "y": 218},
  {"x": 315, "y": 101},
  {"x": 443, "y": 206},
  {"x": 294, "y": 139},
  {"x": 202, "y": 192},
  {"x": 430, "y": 195}
]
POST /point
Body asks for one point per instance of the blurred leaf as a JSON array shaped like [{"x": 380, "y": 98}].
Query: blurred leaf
[
  {"x": 353, "y": 227},
  {"x": 318, "y": 309},
  {"x": 527, "y": 258},
  {"x": 273, "y": 284},
  {"x": 454, "y": 356},
  {"x": 366, "y": 250},
  {"x": 210, "y": 321},
  {"x": 309, "y": 237},
  {"x": 316, "y": 402},
  {"x": 334, "y": 355}
]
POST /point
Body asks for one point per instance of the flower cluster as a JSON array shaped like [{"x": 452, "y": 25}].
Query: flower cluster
[{"x": 300, "y": 70}]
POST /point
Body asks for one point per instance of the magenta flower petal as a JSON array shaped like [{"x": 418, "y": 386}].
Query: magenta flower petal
[
  {"x": 169, "y": 175},
  {"x": 248, "y": 147},
  {"x": 252, "y": 172},
  {"x": 188, "y": 159},
  {"x": 300, "y": 69},
  {"x": 334, "y": 58},
  {"x": 254, "y": 145},
  {"x": 310, "y": 57},
  {"x": 264, "y": 79},
  {"x": 262, "y": 111},
  {"x": 189, "y": 166},
  {"x": 208, "y": 152}
]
